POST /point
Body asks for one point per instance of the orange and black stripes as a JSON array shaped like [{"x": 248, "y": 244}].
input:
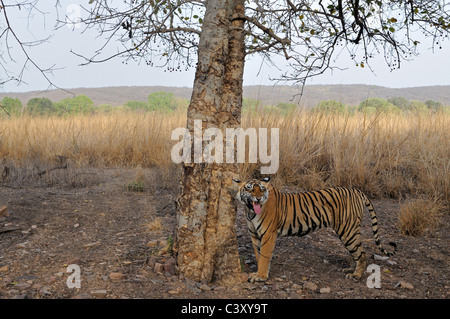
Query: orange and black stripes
[{"x": 297, "y": 214}]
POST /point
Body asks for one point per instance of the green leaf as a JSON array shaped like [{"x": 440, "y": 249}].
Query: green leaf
[{"x": 392, "y": 29}]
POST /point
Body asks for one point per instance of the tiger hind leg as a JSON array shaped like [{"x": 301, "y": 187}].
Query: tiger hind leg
[{"x": 354, "y": 247}]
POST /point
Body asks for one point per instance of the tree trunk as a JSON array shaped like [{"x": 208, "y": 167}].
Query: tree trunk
[{"x": 206, "y": 243}]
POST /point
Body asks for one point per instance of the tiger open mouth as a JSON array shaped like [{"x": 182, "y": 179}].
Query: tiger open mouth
[{"x": 255, "y": 206}]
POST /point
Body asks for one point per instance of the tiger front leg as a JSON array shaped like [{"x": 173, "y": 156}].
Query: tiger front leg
[
  {"x": 265, "y": 255},
  {"x": 256, "y": 242}
]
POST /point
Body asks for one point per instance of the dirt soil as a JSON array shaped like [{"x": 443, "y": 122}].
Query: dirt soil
[{"x": 116, "y": 235}]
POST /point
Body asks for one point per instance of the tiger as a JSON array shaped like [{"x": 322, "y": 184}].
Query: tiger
[{"x": 271, "y": 213}]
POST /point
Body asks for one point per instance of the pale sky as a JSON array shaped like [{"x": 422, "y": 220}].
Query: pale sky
[{"x": 427, "y": 69}]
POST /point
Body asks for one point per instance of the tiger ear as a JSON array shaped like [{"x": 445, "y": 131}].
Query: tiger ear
[{"x": 265, "y": 179}]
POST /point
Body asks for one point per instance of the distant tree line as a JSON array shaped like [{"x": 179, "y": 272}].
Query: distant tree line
[
  {"x": 81, "y": 104},
  {"x": 168, "y": 102},
  {"x": 374, "y": 104}
]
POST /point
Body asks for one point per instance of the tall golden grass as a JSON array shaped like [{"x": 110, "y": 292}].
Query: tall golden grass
[{"x": 385, "y": 155}]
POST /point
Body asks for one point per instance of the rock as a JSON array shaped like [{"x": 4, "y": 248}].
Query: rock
[
  {"x": 152, "y": 243},
  {"x": 152, "y": 262},
  {"x": 170, "y": 266},
  {"x": 33, "y": 226},
  {"x": 220, "y": 288},
  {"x": 264, "y": 288},
  {"x": 159, "y": 268},
  {"x": 76, "y": 261},
  {"x": 391, "y": 262},
  {"x": 45, "y": 290},
  {"x": 295, "y": 287},
  {"x": 325, "y": 290},
  {"x": 4, "y": 269},
  {"x": 3, "y": 211},
  {"x": 378, "y": 257},
  {"x": 99, "y": 293},
  {"x": 205, "y": 287},
  {"x": 116, "y": 276},
  {"x": 90, "y": 245},
  {"x": 405, "y": 285},
  {"x": 22, "y": 296},
  {"x": 21, "y": 245},
  {"x": 310, "y": 286}
]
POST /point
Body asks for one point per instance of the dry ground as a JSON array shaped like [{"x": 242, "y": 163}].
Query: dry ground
[{"x": 91, "y": 219}]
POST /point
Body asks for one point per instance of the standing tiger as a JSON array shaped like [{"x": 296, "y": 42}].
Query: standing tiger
[{"x": 271, "y": 213}]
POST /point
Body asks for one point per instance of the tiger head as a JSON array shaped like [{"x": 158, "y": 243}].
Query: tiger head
[{"x": 253, "y": 193}]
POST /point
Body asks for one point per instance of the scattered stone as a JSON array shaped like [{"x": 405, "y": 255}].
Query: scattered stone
[
  {"x": 33, "y": 226},
  {"x": 45, "y": 290},
  {"x": 3, "y": 211},
  {"x": 325, "y": 290},
  {"x": 76, "y": 261},
  {"x": 405, "y": 285},
  {"x": 4, "y": 269},
  {"x": 22, "y": 296},
  {"x": 378, "y": 257},
  {"x": 205, "y": 287},
  {"x": 310, "y": 286},
  {"x": 220, "y": 288},
  {"x": 159, "y": 268},
  {"x": 76, "y": 225},
  {"x": 116, "y": 276},
  {"x": 99, "y": 293},
  {"x": 282, "y": 294},
  {"x": 21, "y": 245},
  {"x": 276, "y": 287},
  {"x": 90, "y": 245},
  {"x": 152, "y": 243},
  {"x": 152, "y": 262},
  {"x": 174, "y": 292},
  {"x": 391, "y": 262},
  {"x": 295, "y": 287},
  {"x": 170, "y": 266},
  {"x": 264, "y": 288}
]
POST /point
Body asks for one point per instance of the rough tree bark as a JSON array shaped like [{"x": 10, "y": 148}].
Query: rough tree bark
[{"x": 206, "y": 242}]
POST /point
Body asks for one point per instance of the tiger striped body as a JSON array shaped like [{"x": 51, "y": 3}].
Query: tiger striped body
[{"x": 271, "y": 214}]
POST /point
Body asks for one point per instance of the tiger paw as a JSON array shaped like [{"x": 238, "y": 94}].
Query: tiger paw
[
  {"x": 356, "y": 275},
  {"x": 255, "y": 277}
]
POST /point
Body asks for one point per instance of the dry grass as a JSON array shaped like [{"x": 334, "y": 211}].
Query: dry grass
[
  {"x": 386, "y": 155},
  {"x": 418, "y": 216}
]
